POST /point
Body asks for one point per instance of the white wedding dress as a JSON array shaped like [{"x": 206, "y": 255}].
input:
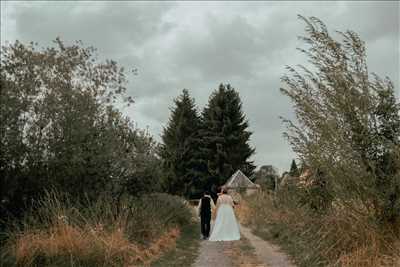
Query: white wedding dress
[{"x": 226, "y": 227}]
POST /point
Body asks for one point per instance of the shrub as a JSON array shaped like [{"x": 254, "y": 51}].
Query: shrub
[{"x": 107, "y": 233}]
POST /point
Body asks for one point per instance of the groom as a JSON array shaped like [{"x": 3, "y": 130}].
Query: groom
[{"x": 206, "y": 205}]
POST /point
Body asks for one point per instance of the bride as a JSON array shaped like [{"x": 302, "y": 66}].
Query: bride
[{"x": 226, "y": 228}]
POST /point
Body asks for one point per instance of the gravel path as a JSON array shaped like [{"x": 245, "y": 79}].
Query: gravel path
[
  {"x": 266, "y": 252},
  {"x": 214, "y": 254}
]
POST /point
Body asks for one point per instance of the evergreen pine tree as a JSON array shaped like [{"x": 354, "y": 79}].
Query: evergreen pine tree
[
  {"x": 180, "y": 147},
  {"x": 225, "y": 137},
  {"x": 294, "y": 171}
]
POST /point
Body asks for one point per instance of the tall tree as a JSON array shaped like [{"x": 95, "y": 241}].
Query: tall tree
[
  {"x": 145, "y": 163},
  {"x": 59, "y": 126},
  {"x": 294, "y": 171},
  {"x": 225, "y": 137},
  {"x": 348, "y": 128},
  {"x": 180, "y": 149},
  {"x": 266, "y": 177}
]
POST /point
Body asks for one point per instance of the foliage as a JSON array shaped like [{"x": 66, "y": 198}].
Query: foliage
[
  {"x": 180, "y": 149},
  {"x": 59, "y": 126},
  {"x": 202, "y": 152},
  {"x": 225, "y": 138},
  {"x": 61, "y": 232},
  {"x": 348, "y": 124},
  {"x": 315, "y": 193},
  {"x": 266, "y": 177},
  {"x": 145, "y": 172},
  {"x": 294, "y": 171}
]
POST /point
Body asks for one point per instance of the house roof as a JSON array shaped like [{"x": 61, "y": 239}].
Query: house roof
[{"x": 239, "y": 180}]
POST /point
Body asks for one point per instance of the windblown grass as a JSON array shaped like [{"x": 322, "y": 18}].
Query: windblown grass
[
  {"x": 132, "y": 232},
  {"x": 338, "y": 238}
]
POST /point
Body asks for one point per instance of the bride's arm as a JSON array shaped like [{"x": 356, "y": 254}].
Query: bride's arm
[
  {"x": 215, "y": 210},
  {"x": 218, "y": 202},
  {"x": 212, "y": 204}
]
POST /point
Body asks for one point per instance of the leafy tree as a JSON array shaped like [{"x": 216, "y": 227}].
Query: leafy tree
[
  {"x": 180, "y": 149},
  {"x": 294, "y": 171},
  {"x": 146, "y": 173},
  {"x": 225, "y": 137},
  {"x": 266, "y": 177},
  {"x": 348, "y": 122},
  {"x": 59, "y": 126}
]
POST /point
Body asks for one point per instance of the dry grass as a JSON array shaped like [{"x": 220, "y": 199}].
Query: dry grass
[
  {"x": 366, "y": 256},
  {"x": 339, "y": 238},
  {"x": 243, "y": 212},
  {"x": 109, "y": 248},
  {"x": 133, "y": 232},
  {"x": 354, "y": 241}
]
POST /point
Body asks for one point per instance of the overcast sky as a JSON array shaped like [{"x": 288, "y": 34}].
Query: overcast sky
[{"x": 198, "y": 45}]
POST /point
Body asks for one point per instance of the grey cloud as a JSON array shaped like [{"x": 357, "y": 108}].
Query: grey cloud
[
  {"x": 379, "y": 19},
  {"x": 219, "y": 54},
  {"x": 229, "y": 48},
  {"x": 111, "y": 27}
]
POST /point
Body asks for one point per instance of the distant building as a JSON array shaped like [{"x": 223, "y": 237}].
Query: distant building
[
  {"x": 302, "y": 180},
  {"x": 305, "y": 178},
  {"x": 287, "y": 179},
  {"x": 268, "y": 170},
  {"x": 240, "y": 183}
]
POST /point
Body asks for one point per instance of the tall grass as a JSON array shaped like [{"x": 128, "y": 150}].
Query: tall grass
[
  {"x": 129, "y": 232},
  {"x": 340, "y": 237}
]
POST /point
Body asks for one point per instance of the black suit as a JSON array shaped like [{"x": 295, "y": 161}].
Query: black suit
[{"x": 205, "y": 215}]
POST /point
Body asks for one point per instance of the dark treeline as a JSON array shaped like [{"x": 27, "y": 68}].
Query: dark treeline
[{"x": 201, "y": 151}]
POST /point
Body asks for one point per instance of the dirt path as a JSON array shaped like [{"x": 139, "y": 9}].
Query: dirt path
[
  {"x": 214, "y": 254},
  {"x": 250, "y": 251},
  {"x": 266, "y": 252}
]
